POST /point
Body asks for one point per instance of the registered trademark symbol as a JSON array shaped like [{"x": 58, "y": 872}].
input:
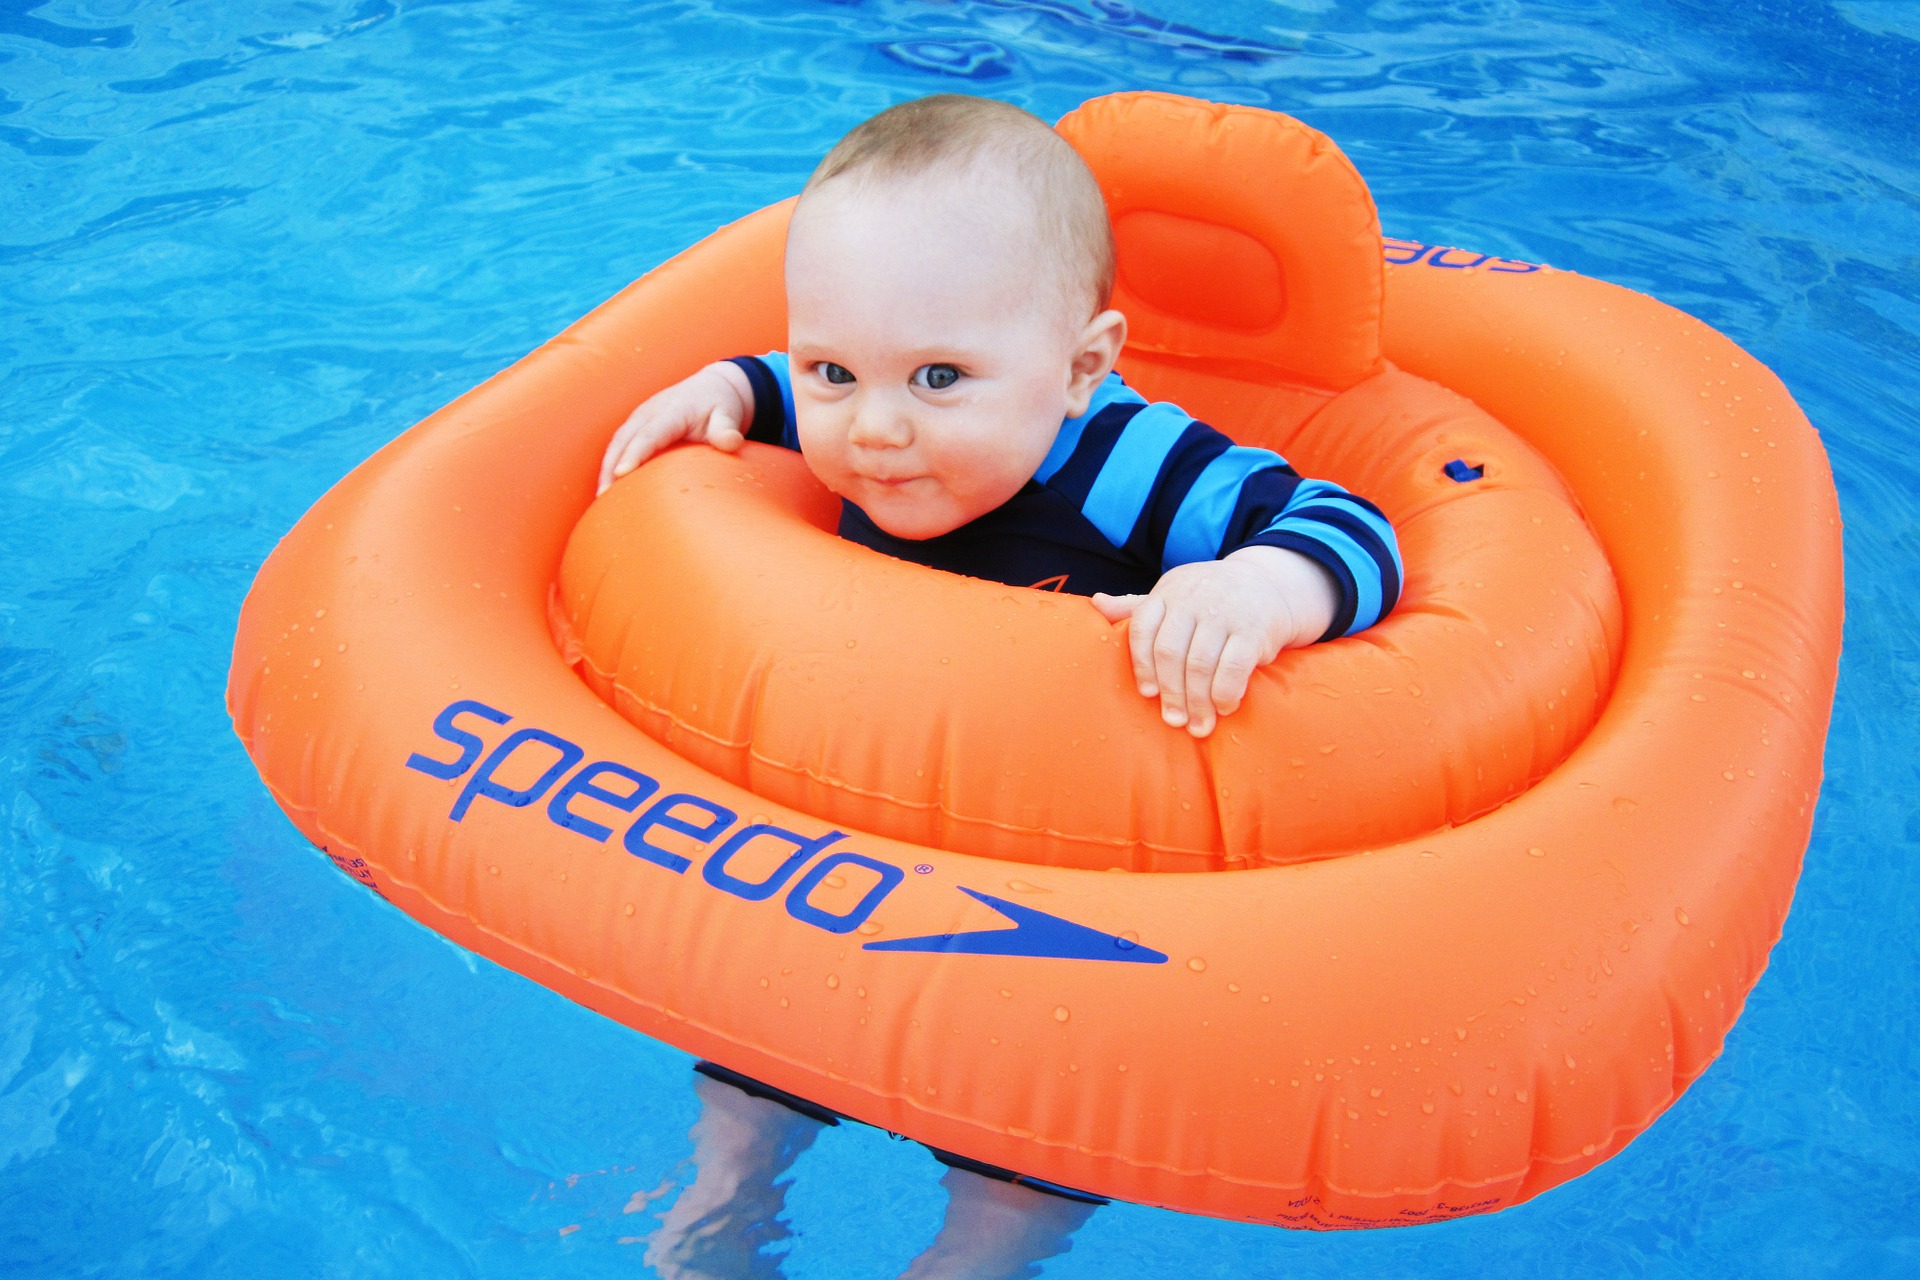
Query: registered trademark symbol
[{"x": 924, "y": 869}]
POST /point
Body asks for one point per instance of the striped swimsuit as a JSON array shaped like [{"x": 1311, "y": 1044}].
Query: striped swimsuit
[{"x": 1129, "y": 491}]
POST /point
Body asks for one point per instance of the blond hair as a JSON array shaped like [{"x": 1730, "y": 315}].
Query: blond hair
[{"x": 951, "y": 128}]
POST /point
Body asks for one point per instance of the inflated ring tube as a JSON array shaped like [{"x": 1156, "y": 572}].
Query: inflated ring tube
[
  {"x": 1440, "y": 1025},
  {"x": 877, "y": 695}
]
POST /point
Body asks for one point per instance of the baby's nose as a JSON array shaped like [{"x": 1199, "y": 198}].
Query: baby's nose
[{"x": 879, "y": 424}]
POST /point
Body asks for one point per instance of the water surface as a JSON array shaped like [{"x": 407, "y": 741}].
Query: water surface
[{"x": 241, "y": 246}]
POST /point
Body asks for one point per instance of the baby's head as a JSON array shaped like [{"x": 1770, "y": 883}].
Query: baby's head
[{"x": 948, "y": 271}]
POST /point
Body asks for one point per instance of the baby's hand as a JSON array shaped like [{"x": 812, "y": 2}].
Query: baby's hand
[
  {"x": 1198, "y": 638},
  {"x": 710, "y": 406}
]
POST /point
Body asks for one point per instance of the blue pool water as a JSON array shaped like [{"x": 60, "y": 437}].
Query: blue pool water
[{"x": 242, "y": 245}]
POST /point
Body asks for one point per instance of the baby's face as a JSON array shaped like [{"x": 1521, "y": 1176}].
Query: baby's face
[{"x": 932, "y": 357}]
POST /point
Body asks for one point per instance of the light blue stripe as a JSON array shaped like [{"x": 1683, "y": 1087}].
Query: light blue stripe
[
  {"x": 1339, "y": 499},
  {"x": 1111, "y": 391},
  {"x": 776, "y": 362},
  {"x": 1311, "y": 489},
  {"x": 1121, "y": 490},
  {"x": 1200, "y": 526},
  {"x": 1366, "y": 573}
]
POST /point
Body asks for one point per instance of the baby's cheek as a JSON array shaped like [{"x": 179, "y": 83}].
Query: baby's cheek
[
  {"x": 1012, "y": 451},
  {"x": 822, "y": 447}
]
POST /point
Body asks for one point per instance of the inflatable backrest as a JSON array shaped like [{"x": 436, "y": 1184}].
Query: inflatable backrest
[{"x": 1247, "y": 241}]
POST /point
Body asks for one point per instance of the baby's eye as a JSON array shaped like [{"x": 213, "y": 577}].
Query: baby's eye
[
  {"x": 937, "y": 377},
  {"x": 838, "y": 375}
]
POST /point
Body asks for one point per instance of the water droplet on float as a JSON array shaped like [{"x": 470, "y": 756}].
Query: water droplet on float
[
  {"x": 867, "y": 927},
  {"x": 1624, "y": 804},
  {"x": 1681, "y": 915},
  {"x": 627, "y": 910},
  {"x": 1536, "y": 852},
  {"x": 1062, "y": 1013},
  {"x": 1427, "y": 1107},
  {"x": 1197, "y": 965},
  {"x": 833, "y": 982}
]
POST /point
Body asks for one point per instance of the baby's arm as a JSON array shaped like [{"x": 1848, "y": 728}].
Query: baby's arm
[
  {"x": 1254, "y": 559},
  {"x": 712, "y": 406},
  {"x": 1197, "y": 639}
]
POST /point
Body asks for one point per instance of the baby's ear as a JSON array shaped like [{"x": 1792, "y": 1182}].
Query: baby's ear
[{"x": 1094, "y": 356}]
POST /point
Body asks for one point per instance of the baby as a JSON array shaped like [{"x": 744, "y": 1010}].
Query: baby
[{"x": 949, "y": 374}]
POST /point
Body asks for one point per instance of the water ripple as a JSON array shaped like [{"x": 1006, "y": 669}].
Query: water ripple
[
  {"x": 16, "y": 19},
  {"x": 180, "y": 77},
  {"x": 140, "y": 213},
  {"x": 968, "y": 59}
]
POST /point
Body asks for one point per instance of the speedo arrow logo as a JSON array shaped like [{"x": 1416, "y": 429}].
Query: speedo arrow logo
[{"x": 1034, "y": 933}]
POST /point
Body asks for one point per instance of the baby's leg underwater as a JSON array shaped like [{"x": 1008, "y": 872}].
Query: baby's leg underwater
[
  {"x": 722, "y": 1225},
  {"x": 997, "y": 1230}
]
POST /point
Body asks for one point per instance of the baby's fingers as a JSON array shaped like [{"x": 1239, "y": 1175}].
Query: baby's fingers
[
  {"x": 723, "y": 429},
  {"x": 614, "y": 448},
  {"x": 625, "y": 456},
  {"x": 1203, "y": 659},
  {"x": 1238, "y": 661},
  {"x": 628, "y": 448},
  {"x": 648, "y": 430},
  {"x": 1143, "y": 628},
  {"x": 1170, "y": 648}
]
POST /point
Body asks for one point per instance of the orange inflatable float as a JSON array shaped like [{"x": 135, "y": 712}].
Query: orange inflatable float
[{"x": 1444, "y": 916}]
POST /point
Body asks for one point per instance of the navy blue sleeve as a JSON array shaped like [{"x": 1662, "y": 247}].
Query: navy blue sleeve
[{"x": 772, "y": 399}]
